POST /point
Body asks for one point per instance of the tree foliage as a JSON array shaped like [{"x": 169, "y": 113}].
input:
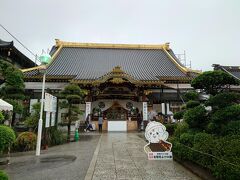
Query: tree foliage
[
  {"x": 223, "y": 100},
  {"x": 12, "y": 88},
  {"x": 32, "y": 120},
  {"x": 191, "y": 104},
  {"x": 191, "y": 95},
  {"x": 178, "y": 115},
  {"x": 213, "y": 82},
  {"x": 72, "y": 95},
  {"x": 227, "y": 114},
  {"x": 196, "y": 117}
]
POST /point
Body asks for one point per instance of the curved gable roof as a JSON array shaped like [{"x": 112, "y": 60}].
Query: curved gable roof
[{"x": 89, "y": 61}]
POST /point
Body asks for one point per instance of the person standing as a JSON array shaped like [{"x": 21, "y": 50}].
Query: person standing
[{"x": 100, "y": 122}]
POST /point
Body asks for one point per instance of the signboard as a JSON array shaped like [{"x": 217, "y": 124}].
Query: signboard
[
  {"x": 145, "y": 111},
  {"x": 47, "y": 102},
  {"x": 50, "y": 106},
  {"x": 88, "y": 109},
  {"x": 50, "y": 103},
  {"x": 158, "y": 148},
  {"x": 53, "y": 116},
  {"x": 47, "y": 124},
  {"x": 54, "y": 104},
  {"x": 160, "y": 156}
]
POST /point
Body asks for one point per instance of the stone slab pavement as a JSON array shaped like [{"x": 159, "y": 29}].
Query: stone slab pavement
[
  {"x": 63, "y": 162},
  {"x": 121, "y": 156},
  {"x": 106, "y": 156}
]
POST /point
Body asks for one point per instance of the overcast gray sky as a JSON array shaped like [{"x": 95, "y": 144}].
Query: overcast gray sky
[{"x": 208, "y": 30}]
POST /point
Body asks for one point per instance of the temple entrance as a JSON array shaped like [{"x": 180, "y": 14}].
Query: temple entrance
[
  {"x": 116, "y": 112},
  {"x": 119, "y": 115}
]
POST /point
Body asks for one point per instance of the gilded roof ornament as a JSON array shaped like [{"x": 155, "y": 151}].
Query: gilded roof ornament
[{"x": 117, "y": 69}]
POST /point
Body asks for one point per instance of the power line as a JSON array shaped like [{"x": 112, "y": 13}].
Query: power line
[{"x": 18, "y": 41}]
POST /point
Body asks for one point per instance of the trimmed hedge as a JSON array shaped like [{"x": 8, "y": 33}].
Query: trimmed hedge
[
  {"x": 3, "y": 175},
  {"x": 223, "y": 100},
  {"x": 191, "y": 95},
  {"x": 232, "y": 128},
  {"x": 7, "y": 137},
  {"x": 224, "y": 115},
  {"x": 220, "y": 155},
  {"x": 179, "y": 115},
  {"x": 181, "y": 128},
  {"x": 196, "y": 117},
  {"x": 192, "y": 104}
]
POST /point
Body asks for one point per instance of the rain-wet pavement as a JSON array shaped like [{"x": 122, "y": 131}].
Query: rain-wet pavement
[{"x": 112, "y": 156}]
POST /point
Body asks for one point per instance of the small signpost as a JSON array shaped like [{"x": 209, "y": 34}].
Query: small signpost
[
  {"x": 157, "y": 148},
  {"x": 50, "y": 106}
]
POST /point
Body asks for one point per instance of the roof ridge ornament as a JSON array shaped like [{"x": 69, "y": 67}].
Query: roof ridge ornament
[
  {"x": 117, "y": 69},
  {"x": 60, "y": 43}
]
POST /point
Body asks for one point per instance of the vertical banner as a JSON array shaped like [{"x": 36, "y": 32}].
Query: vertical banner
[
  {"x": 53, "y": 118},
  {"x": 88, "y": 109},
  {"x": 54, "y": 104},
  {"x": 145, "y": 111},
  {"x": 47, "y": 119},
  {"x": 163, "y": 108},
  {"x": 47, "y": 102},
  {"x": 168, "y": 109}
]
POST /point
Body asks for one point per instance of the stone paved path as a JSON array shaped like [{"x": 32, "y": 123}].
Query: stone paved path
[
  {"x": 26, "y": 166},
  {"x": 121, "y": 156},
  {"x": 113, "y": 156}
]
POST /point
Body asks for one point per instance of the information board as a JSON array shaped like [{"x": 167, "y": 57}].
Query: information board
[
  {"x": 50, "y": 106},
  {"x": 47, "y": 124},
  {"x": 160, "y": 156},
  {"x": 53, "y": 116},
  {"x": 145, "y": 112}
]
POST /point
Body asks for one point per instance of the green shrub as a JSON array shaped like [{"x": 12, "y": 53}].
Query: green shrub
[
  {"x": 196, "y": 117},
  {"x": 56, "y": 137},
  {"x": 170, "y": 128},
  {"x": 232, "y": 128},
  {"x": 181, "y": 151},
  {"x": 228, "y": 149},
  {"x": 32, "y": 120},
  {"x": 191, "y": 104},
  {"x": 203, "y": 142},
  {"x": 223, "y": 100},
  {"x": 7, "y": 137},
  {"x": 3, "y": 175},
  {"x": 181, "y": 128},
  {"x": 26, "y": 141},
  {"x": 187, "y": 139},
  {"x": 178, "y": 115},
  {"x": 230, "y": 113},
  {"x": 191, "y": 95}
]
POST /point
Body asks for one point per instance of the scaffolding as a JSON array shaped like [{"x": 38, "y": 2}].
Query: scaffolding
[{"x": 182, "y": 58}]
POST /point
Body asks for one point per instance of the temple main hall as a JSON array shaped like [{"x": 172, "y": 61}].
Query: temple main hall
[{"x": 118, "y": 78}]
